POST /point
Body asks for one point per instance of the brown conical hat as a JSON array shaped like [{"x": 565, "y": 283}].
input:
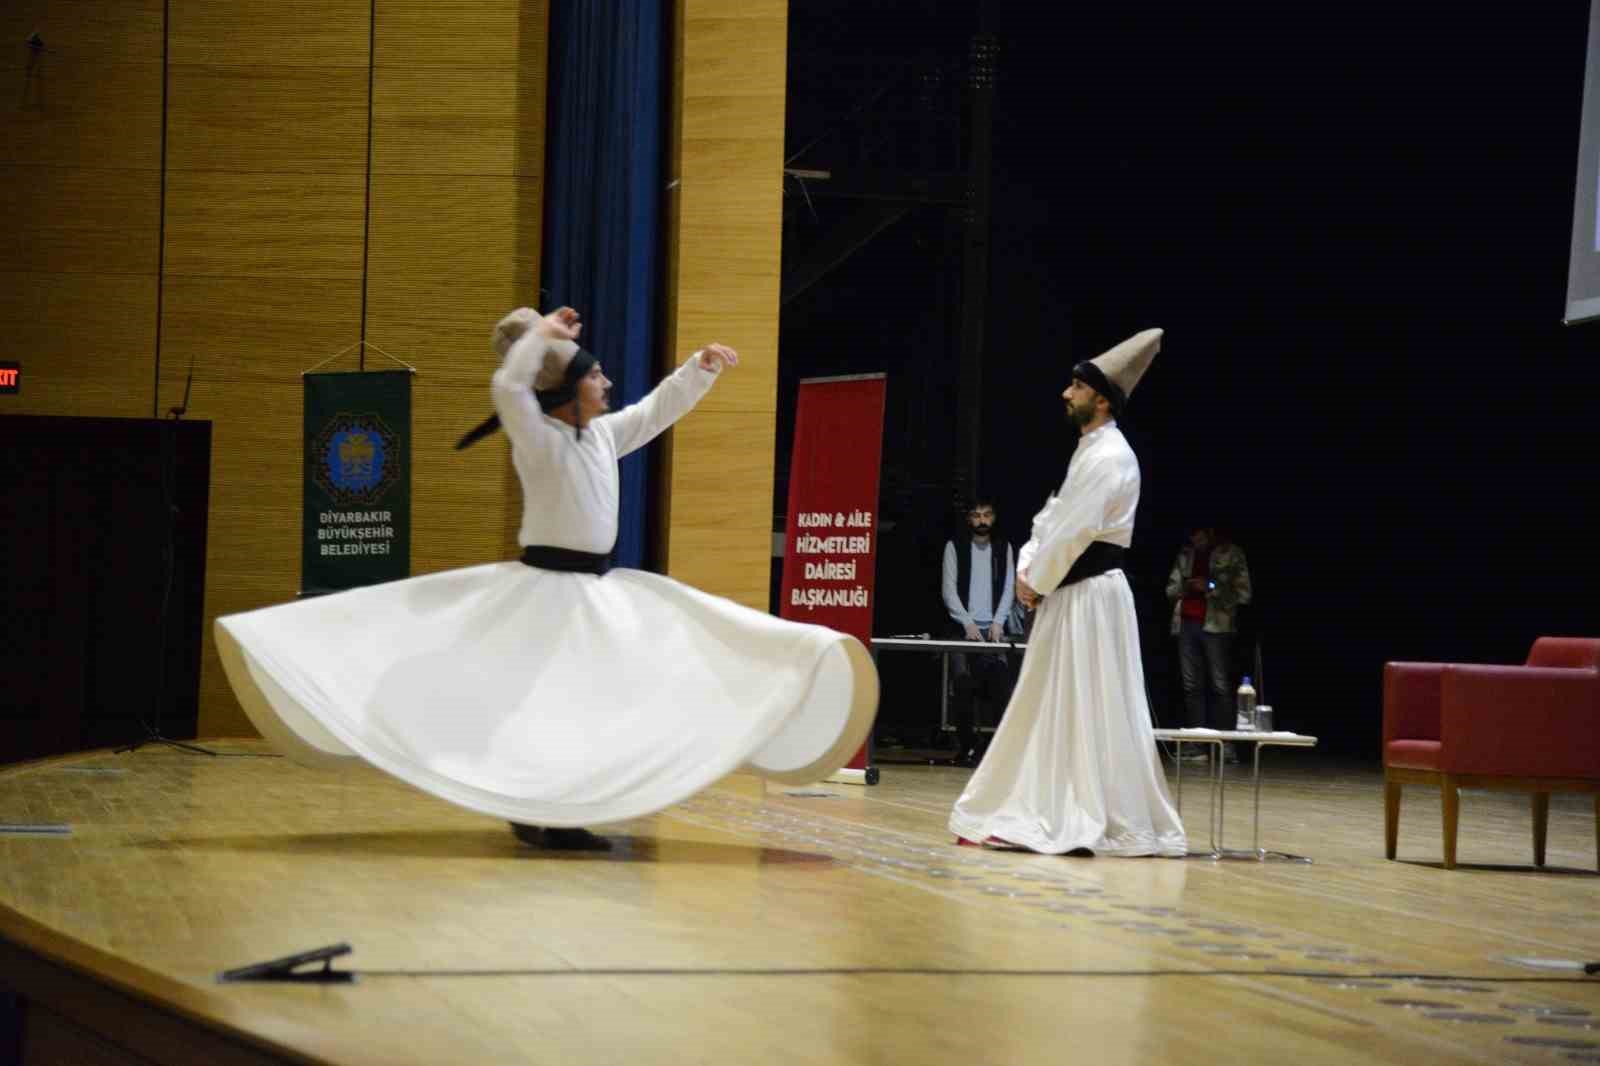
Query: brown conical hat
[
  {"x": 1124, "y": 364},
  {"x": 558, "y": 354},
  {"x": 511, "y": 328}
]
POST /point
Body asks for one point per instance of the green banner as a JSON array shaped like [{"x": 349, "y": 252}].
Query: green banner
[{"x": 357, "y": 522}]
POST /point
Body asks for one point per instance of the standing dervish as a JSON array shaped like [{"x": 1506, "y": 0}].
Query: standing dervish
[
  {"x": 1074, "y": 765},
  {"x": 554, "y": 691}
]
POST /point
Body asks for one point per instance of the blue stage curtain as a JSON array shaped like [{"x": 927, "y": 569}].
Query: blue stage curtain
[{"x": 603, "y": 181}]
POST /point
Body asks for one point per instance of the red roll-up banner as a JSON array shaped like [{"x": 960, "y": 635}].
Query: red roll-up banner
[{"x": 831, "y": 540}]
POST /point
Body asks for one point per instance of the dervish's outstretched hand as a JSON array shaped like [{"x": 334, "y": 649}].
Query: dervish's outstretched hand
[{"x": 717, "y": 357}]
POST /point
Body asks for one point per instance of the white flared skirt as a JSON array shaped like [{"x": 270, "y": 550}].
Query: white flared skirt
[
  {"x": 550, "y": 698},
  {"x": 1074, "y": 763}
]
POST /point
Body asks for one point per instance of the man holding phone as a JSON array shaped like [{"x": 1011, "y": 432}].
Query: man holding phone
[{"x": 1210, "y": 581}]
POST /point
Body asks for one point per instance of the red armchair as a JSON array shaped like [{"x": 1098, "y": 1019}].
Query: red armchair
[{"x": 1532, "y": 728}]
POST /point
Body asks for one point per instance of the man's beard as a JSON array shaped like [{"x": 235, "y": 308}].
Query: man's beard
[
  {"x": 1081, "y": 416},
  {"x": 980, "y": 530}
]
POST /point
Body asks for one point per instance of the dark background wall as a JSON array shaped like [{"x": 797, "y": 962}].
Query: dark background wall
[{"x": 1353, "y": 226}]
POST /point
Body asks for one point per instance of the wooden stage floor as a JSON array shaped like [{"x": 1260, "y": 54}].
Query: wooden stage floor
[{"x": 833, "y": 924}]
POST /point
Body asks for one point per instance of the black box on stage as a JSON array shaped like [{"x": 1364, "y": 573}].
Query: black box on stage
[{"x": 97, "y": 626}]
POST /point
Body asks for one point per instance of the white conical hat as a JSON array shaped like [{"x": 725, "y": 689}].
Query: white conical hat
[{"x": 1124, "y": 364}]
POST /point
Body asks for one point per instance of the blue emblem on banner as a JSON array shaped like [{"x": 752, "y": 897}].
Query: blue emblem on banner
[{"x": 354, "y": 458}]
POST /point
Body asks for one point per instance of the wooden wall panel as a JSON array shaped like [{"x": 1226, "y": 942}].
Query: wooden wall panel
[
  {"x": 448, "y": 257},
  {"x": 77, "y": 220},
  {"x": 283, "y": 33},
  {"x": 473, "y": 34},
  {"x": 247, "y": 225},
  {"x": 241, "y": 334},
  {"x": 453, "y": 120},
  {"x": 73, "y": 113},
  {"x": 712, "y": 451},
  {"x": 88, "y": 30},
  {"x": 732, "y": 49},
  {"x": 253, "y": 544},
  {"x": 86, "y": 343},
  {"x": 274, "y": 119},
  {"x": 80, "y": 204},
  {"x": 460, "y": 87},
  {"x": 723, "y": 276},
  {"x": 253, "y": 537}
]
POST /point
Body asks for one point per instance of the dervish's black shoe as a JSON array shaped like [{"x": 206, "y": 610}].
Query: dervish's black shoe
[
  {"x": 574, "y": 840},
  {"x": 559, "y": 839},
  {"x": 530, "y": 835}
]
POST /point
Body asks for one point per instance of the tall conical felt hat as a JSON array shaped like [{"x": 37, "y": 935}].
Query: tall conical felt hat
[
  {"x": 555, "y": 380},
  {"x": 1115, "y": 372},
  {"x": 510, "y": 329},
  {"x": 558, "y": 353},
  {"x": 1125, "y": 364}
]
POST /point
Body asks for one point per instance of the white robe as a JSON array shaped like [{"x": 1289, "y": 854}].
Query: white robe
[
  {"x": 552, "y": 698},
  {"x": 1074, "y": 761}
]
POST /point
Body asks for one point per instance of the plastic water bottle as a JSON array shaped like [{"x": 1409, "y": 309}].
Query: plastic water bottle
[{"x": 1245, "y": 707}]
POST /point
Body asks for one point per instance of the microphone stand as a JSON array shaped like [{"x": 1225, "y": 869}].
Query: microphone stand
[{"x": 169, "y": 459}]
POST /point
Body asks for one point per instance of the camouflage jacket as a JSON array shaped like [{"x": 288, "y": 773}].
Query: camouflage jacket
[{"x": 1232, "y": 576}]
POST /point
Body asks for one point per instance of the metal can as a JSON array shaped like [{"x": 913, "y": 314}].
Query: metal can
[{"x": 1263, "y": 718}]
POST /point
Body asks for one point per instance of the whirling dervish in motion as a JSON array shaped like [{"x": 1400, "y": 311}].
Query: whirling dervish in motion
[{"x": 553, "y": 691}]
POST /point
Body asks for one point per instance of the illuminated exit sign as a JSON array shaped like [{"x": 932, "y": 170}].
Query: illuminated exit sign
[{"x": 10, "y": 377}]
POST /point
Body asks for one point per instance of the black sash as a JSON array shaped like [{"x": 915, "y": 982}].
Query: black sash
[
  {"x": 1096, "y": 559},
  {"x": 565, "y": 559}
]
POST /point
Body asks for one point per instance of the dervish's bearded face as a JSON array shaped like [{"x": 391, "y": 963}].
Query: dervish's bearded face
[
  {"x": 594, "y": 393},
  {"x": 1082, "y": 402}
]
